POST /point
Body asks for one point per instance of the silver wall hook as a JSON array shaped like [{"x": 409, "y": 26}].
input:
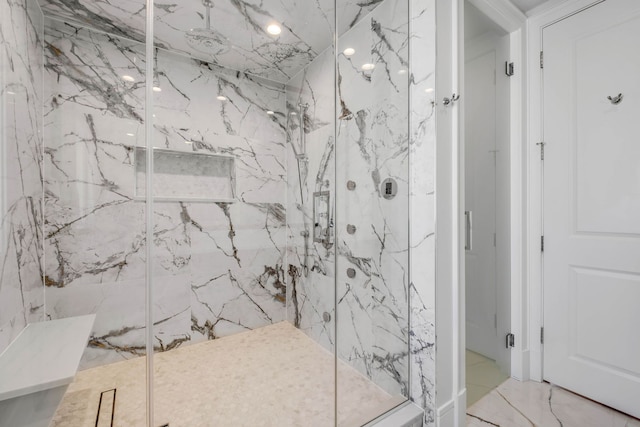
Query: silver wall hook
[
  {"x": 446, "y": 101},
  {"x": 616, "y": 99}
]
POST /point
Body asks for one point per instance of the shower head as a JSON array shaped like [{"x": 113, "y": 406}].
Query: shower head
[{"x": 206, "y": 40}]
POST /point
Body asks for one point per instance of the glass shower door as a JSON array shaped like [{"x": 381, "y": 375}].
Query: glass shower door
[{"x": 372, "y": 215}]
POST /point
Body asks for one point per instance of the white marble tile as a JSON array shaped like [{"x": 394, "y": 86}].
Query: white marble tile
[
  {"x": 21, "y": 98},
  {"x": 542, "y": 404}
]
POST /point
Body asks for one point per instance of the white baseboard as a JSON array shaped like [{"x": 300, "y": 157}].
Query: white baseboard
[
  {"x": 445, "y": 415},
  {"x": 521, "y": 366},
  {"x": 462, "y": 407}
]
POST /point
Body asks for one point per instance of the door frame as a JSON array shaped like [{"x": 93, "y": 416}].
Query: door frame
[
  {"x": 504, "y": 14},
  {"x": 450, "y": 254},
  {"x": 541, "y": 17}
]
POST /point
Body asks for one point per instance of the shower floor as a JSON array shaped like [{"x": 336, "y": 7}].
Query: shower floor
[{"x": 272, "y": 376}]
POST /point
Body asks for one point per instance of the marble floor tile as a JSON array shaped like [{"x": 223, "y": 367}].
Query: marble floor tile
[
  {"x": 515, "y": 403},
  {"x": 272, "y": 376}
]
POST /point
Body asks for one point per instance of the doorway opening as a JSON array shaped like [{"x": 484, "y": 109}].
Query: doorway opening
[{"x": 486, "y": 136}]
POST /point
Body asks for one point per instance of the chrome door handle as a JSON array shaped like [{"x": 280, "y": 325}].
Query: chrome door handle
[{"x": 468, "y": 226}]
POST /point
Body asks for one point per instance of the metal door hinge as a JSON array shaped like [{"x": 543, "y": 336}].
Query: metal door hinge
[
  {"x": 508, "y": 69},
  {"x": 541, "y": 243},
  {"x": 541, "y": 144},
  {"x": 510, "y": 340},
  {"x": 541, "y": 335},
  {"x": 541, "y": 59}
]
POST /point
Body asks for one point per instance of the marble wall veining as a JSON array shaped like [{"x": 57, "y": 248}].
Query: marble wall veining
[
  {"x": 21, "y": 97},
  {"x": 218, "y": 267}
]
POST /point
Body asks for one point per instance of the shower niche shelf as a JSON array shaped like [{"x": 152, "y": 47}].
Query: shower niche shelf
[{"x": 186, "y": 176}]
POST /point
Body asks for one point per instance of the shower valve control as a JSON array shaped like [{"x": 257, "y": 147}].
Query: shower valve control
[{"x": 389, "y": 188}]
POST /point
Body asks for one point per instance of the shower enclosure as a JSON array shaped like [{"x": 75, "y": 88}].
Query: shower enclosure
[{"x": 228, "y": 185}]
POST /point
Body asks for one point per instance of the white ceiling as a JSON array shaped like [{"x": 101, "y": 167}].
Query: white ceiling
[{"x": 476, "y": 23}]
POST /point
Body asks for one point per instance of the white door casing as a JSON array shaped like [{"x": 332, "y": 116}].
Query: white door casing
[{"x": 591, "y": 210}]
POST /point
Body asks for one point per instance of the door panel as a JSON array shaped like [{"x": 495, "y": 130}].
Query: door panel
[
  {"x": 607, "y": 164},
  {"x": 592, "y": 204},
  {"x": 597, "y": 295}
]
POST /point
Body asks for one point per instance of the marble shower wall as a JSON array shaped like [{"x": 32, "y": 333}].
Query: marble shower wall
[
  {"x": 385, "y": 322},
  {"x": 21, "y": 96},
  {"x": 218, "y": 266},
  {"x": 311, "y": 270}
]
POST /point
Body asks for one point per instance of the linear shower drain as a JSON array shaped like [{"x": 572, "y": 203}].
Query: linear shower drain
[{"x": 106, "y": 408}]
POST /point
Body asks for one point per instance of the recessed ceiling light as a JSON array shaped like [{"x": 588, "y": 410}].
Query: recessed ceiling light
[
  {"x": 349, "y": 51},
  {"x": 186, "y": 141},
  {"x": 271, "y": 113},
  {"x": 221, "y": 98},
  {"x": 10, "y": 93},
  {"x": 157, "y": 89},
  {"x": 429, "y": 90},
  {"x": 368, "y": 67},
  {"x": 128, "y": 79},
  {"x": 131, "y": 134},
  {"x": 274, "y": 29},
  {"x": 293, "y": 113},
  {"x": 402, "y": 71}
]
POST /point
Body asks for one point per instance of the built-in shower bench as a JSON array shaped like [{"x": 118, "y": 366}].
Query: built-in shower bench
[{"x": 37, "y": 368}]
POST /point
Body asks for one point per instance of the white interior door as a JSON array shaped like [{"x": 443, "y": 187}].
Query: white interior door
[
  {"x": 486, "y": 197},
  {"x": 592, "y": 204}
]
